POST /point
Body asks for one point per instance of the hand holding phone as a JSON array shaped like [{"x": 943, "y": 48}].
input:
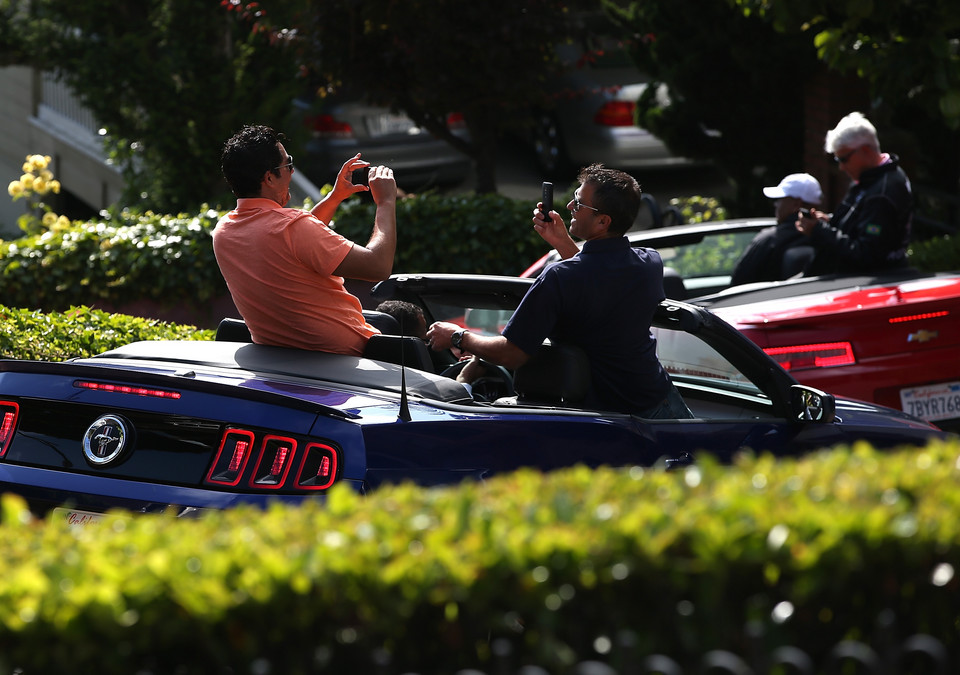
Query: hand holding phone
[
  {"x": 807, "y": 213},
  {"x": 361, "y": 176},
  {"x": 547, "y": 201}
]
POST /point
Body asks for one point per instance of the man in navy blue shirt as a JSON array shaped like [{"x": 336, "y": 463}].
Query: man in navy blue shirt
[{"x": 601, "y": 299}]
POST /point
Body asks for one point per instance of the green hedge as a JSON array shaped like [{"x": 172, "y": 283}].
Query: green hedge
[
  {"x": 557, "y": 564},
  {"x": 80, "y": 331}
]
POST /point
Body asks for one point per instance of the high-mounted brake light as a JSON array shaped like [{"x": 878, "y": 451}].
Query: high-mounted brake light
[
  {"x": 318, "y": 469},
  {"x": 918, "y": 317},
  {"x": 8, "y": 424},
  {"x": 616, "y": 114},
  {"x": 126, "y": 389},
  {"x": 273, "y": 465},
  {"x": 236, "y": 446},
  {"x": 822, "y": 355}
]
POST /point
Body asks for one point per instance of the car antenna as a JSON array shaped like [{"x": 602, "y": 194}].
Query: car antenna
[{"x": 404, "y": 413}]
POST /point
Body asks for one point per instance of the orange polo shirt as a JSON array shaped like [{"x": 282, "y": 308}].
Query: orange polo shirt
[{"x": 278, "y": 264}]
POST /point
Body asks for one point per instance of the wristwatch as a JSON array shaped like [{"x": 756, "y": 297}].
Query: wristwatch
[{"x": 457, "y": 338}]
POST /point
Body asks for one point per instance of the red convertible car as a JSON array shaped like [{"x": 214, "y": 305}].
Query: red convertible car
[{"x": 892, "y": 338}]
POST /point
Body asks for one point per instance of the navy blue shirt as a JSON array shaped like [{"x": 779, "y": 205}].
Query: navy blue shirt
[{"x": 601, "y": 300}]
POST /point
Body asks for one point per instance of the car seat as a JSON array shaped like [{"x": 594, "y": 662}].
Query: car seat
[{"x": 557, "y": 375}]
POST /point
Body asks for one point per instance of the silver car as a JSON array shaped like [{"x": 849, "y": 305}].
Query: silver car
[{"x": 339, "y": 129}]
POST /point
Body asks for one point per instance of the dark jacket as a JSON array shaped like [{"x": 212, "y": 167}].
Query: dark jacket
[
  {"x": 870, "y": 229},
  {"x": 763, "y": 258}
]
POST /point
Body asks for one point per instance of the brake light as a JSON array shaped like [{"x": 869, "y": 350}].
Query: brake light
[
  {"x": 616, "y": 114},
  {"x": 822, "y": 355},
  {"x": 918, "y": 317},
  {"x": 126, "y": 389},
  {"x": 327, "y": 126},
  {"x": 456, "y": 121},
  {"x": 235, "y": 449},
  {"x": 8, "y": 424},
  {"x": 276, "y": 455},
  {"x": 318, "y": 469}
]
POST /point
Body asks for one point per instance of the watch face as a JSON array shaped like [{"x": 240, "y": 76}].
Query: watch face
[{"x": 456, "y": 338}]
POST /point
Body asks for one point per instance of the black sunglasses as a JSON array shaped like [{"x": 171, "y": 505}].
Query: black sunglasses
[{"x": 288, "y": 165}]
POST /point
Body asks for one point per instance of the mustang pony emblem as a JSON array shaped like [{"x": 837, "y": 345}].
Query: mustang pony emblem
[{"x": 105, "y": 440}]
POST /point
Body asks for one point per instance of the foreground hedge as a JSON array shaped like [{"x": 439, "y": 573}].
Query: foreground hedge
[{"x": 557, "y": 565}]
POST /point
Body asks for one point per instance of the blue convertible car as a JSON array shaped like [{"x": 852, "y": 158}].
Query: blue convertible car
[{"x": 211, "y": 424}]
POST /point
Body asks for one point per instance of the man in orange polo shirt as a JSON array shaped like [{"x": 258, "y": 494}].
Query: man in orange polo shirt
[{"x": 285, "y": 267}]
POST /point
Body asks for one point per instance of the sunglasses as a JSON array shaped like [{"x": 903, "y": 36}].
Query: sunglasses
[
  {"x": 577, "y": 204},
  {"x": 845, "y": 158},
  {"x": 288, "y": 165}
]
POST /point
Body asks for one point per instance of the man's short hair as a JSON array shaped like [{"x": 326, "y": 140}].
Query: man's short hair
[
  {"x": 249, "y": 154},
  {"x": 407, "y": 314},
  {"x": 852, "y": 131},
  {"x": 616, "y": 194}
]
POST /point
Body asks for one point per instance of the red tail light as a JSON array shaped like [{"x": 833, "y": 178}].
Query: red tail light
[
  {"x": 456, "y": 121},
  {"x": 276, "y": 455},
  {"x": 8, "y": 424},
  {"x": 327, "y": 126},
  {"x": 823, "y": 355},
  {"x": 616, "y": 114},
  {"x": 235, "y": 449},
  {"x": 318, "y": 469},
  {"x": 919, "y": 317}
]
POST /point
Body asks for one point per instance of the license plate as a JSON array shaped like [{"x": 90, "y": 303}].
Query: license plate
[
  {"x": 77, "y": 518},
  {"x": 932, "y": 402},
  {"x": 382, "y": 125}
]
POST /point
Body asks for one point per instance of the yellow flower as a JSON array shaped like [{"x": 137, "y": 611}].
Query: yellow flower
[
  {"x": 15, "y": 189},
  {"x": 55, "y": 187},
  {"x": 39, "y": 162},
  {"x": 40, "y": 186},
  {"x": 63, "y": 222},
  {"x": 26, "y": 180},
  {"x": 49, "y": 219},
  {"x": 27, "y": 166},
  {"x": 46, "y": 175}
]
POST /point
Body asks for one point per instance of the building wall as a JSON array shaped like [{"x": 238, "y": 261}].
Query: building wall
[{"x": 40, "y": 116}]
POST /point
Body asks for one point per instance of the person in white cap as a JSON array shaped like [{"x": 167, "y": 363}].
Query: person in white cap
[
  {"x": 870, "y": 230},
  {"x": 781, "y": 251}
]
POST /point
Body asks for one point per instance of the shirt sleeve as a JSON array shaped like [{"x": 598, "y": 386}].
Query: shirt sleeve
[{"x": 536, "y": 315}]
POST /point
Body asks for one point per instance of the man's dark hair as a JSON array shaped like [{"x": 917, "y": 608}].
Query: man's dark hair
[
  {"x": 617, "y": 194},
  {"x": 249, "y": 154},
  {"x": 407, "y": 314}
]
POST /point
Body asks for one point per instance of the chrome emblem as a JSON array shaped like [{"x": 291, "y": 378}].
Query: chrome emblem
[
  {"x": 105, "y": 440},
  {"x": 923, "y": 336}
]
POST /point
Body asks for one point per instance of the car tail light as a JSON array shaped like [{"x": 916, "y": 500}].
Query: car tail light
[
  {"x": 274, "y": 456},
  {"x": 235, "y": 449},
  {"x": 8, "y": 424},
  {"x": 126, "y": 389},
  {"x": 318, "y": 469},
  {"x": 456, "y": 121},
  {"x": 273, "y": 465},
  {"x": 616, "y": 114},
  {"x": 822, "y": 355},
  {"x": 327, "y": 126}
]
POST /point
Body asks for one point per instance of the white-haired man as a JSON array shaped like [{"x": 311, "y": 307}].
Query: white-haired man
[{"x": 870, "y": 230}]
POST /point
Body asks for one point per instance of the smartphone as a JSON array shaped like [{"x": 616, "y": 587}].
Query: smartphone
[
  {"x": 361, "y": 176},
  {"x": 806, "y": 213},
  {"x": 547, "y": 200}
]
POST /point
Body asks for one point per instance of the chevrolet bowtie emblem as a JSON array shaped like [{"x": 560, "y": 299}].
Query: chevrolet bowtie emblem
[{"x": 923, "y": 336}]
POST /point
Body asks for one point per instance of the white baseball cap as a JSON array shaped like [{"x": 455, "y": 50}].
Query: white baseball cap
[{"x": 800, "y": 185}]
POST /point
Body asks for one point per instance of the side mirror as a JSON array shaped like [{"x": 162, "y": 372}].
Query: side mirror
[{"x": 812, "y": 405}]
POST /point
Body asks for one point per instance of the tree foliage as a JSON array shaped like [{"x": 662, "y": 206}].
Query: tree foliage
[
  {"x": 169, "y": 80},
  {"x": 733, "y": 84},
  {"x": 486, "y": 60}
]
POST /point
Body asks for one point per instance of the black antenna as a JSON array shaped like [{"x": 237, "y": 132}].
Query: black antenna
[{"x": 404, "y": 408}]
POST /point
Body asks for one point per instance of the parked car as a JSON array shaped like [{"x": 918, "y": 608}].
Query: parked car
[
  {"x": 210, "y": 424},
  {"x": 891, "y": 338},
  {"x": 590, "y": 113},
  {"x": 340, "y": 127},
  {"x": 698, "y": 258}
]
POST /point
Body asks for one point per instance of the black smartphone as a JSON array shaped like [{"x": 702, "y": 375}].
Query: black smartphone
[
  {"x": 547, "y": 200},
  {"x": 806, "y": 213},
  {"x": 361, "y": 176}
]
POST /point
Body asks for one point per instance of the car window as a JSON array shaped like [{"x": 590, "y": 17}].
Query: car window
[{"x": 714, "y": 255}]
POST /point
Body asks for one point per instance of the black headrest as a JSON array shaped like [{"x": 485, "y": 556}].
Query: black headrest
[
  {"x": 558, "y": 374},
  {"x": 384, "y": 322},
  {"x": 233, "y": 330},
  {"x": 410, "y": 352}
]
